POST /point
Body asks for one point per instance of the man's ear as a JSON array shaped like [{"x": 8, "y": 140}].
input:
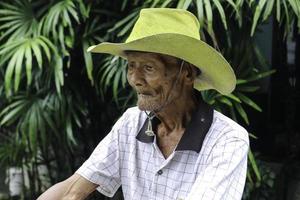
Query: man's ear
[{"x": 190, "y": 73}]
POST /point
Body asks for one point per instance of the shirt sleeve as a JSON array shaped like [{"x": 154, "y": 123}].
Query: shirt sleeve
[
  {"x": 102, "y": 167},
  {"x": 223, "y": 177}
]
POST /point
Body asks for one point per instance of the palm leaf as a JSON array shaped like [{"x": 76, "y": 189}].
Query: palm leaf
[
  {"x": 248, "y": 101},
  {"x": 241, "y": 112},
  {"x": 16, "y": 20},
  {"x": 209, "y": 16},
  {"x": 268, "y": 9},
  {"x": 257, "y": 14},
  {"x": 63, "y": 11},
  {"x": 221, "y": 12},
  {"x": 20, "y": 54},
  {"x": 254, "y": 165},
  {"x": 200, "y": 13},
  {"x": 183, "y": 4}
]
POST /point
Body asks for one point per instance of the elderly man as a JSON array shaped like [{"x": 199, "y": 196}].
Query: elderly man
[{"x": 172, "y": 145}]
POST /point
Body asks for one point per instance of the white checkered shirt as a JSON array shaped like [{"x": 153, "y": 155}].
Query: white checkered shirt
[{"x": 209, "y": 162}]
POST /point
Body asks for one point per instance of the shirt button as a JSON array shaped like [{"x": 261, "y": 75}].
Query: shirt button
[{"x": 160, "y": 172}]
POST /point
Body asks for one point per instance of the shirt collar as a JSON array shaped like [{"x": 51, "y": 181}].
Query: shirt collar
[{"x": 194, "y": 134}]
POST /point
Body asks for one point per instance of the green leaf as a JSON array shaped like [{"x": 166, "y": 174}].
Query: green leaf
[
  {"x": 180, "y": 4},
  {"x": 254, "y": 165},
  {"x": 9, "y": 72},
  {"x": 200, "y": 13},
  {"x": 261, "y": 75},
  {"x": 209, "y": 96},
  {"x": 45, "y": 47},
  {"x": 58, "y": 73},
  {"x": 84, "y": 9},
  {"x": 247, "y": 88},
  {"x": 209, "y": 18},
  {"x": 17, "y": 20},
  {"x": 9, "y": 48},
  {"x": 18, "y": 67},
  {"x": 225, "y": 100},
  {"x": 28, "y": 57},
  {"x": 166, "y": 3},
  {"x": 232, "y": 113},
  {"x": 278, "y": 9},
  {"x": 248, "y": 101},
  {"x": 72, "y": 11},
  {"x": 70, "y": 131},
  {"x": 287, "y": 15},
  {"x": 230, "y": 2},
  {"x": 37, "y": 53},
  {"x": 11, "y": 106},
  {"x": 232, "y": 96},
  {"x": 49, "y": 44},
  {"x": 221, "y": 12},
  {"x": 13, "y": 113},
  {"x": 128, "y": 26},
  {"x": 123, "y": 21},
  {"x": 123, "y": 6},
  {"x": 257, "y": 14},
  {"x": 252, "y": 136},
  {"x": 294, "y": 6},
  {"x": 241, "y": 81},
  {"x": 67, "y": 18},
  {"x": 50, "y": 123},
  {"x": 76, "y": 118},
  {"x": 61, "y": 38},
  {"x": 268, "y": 9},
  {"x": 241, "y": 112},
  {"x": 9, "y": 6},
  {"x": 88, "y": 61},
  {"x": 186, "y": 4}
]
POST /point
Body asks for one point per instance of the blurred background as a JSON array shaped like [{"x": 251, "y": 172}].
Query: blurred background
[{"x": 57, "y": 101}]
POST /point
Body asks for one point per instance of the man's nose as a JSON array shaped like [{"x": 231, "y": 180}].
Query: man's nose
[{"x": 136, "y": 77}]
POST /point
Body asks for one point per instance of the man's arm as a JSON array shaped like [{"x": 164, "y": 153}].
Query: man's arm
[
  {"x": 75, "y": 187},
  {"x": 100, "y": 171}
]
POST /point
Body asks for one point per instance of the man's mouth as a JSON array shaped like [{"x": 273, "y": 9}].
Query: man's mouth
[{"x": 144, "y": 94}]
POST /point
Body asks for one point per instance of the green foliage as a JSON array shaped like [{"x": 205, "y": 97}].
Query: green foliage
[
  {"x": 17, "y": 20},
  {"x": 263, "y": 187},
  {"x": 23, "y": 51},
  {"x": 35, "y": 113},
  {"x": 48, "y": 101},
  {"x": 282, "y": 10},
  {"x": 12, "y": 151}
]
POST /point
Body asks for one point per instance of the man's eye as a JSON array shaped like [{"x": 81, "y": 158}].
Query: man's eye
[
  {"x": 149, "y": 68},
  {"x": 130, "y": 66}
]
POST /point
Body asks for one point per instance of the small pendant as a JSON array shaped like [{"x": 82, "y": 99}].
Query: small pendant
[
  {"x": 149, "y": 130},
  {"x": 149, "y": 133}
]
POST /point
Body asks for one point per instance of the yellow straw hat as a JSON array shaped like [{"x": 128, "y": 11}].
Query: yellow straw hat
[{"x": 175, "y": 32}]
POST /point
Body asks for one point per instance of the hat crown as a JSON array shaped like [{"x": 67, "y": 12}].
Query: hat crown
[{"x": 153, "y": 21}]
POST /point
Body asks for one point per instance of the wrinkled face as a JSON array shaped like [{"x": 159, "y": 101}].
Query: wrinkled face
[{"x": 152, "y": 76}]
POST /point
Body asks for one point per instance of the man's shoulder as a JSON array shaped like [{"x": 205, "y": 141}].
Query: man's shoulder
[
  {"x": 132, "y": 111},
  {"x": 229, "y": 128},
  {"x": 132, "y": 114},
  {"x": 130, "y": 119}
]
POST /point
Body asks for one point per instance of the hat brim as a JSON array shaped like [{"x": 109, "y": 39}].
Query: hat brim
[{"x": 216, "y": 72}]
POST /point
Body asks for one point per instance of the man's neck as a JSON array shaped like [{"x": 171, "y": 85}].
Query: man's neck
[{"x": 176, "y": 115}]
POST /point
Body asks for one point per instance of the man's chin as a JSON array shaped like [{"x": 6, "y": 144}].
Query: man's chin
[{"x": 147, "y": 106}]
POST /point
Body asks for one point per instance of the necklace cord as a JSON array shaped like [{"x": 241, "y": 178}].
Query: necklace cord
[{"x": 152, "y": 114}]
